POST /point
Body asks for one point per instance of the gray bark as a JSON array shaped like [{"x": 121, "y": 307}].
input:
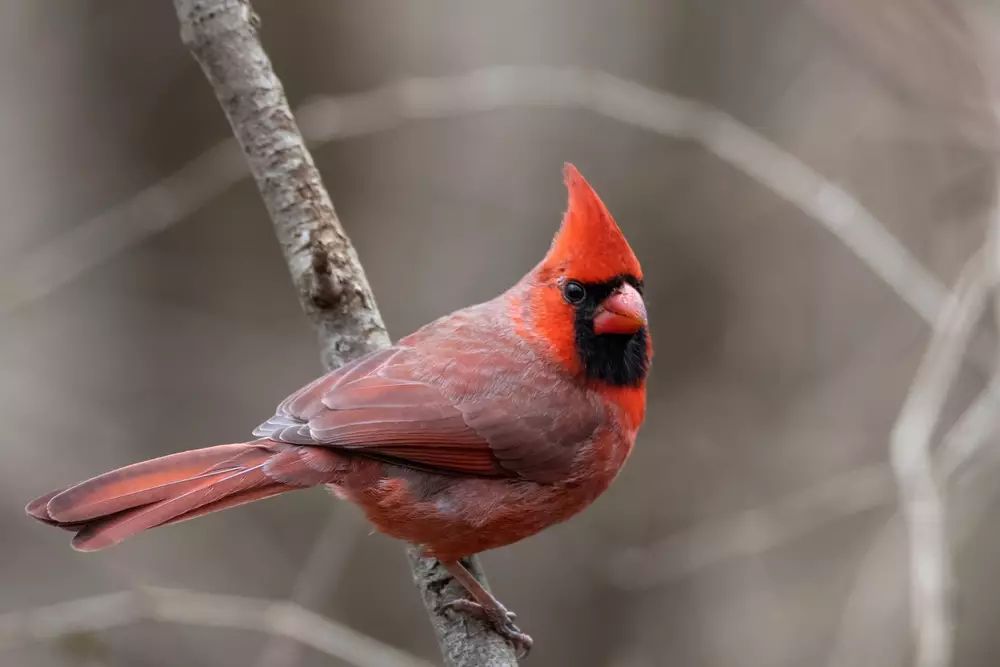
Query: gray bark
[
  {"x": 326, "y": 271},
  {"x": 331, "y": 283}
]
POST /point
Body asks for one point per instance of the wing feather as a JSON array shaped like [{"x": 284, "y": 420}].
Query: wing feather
[{"x": 449, "y": 400}]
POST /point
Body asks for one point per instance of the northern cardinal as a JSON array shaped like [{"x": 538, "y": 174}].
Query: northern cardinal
[{"x": 476, "y": 431}]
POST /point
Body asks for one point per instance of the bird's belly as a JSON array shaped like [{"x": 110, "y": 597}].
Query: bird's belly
[{"x": 452, "y": 518}]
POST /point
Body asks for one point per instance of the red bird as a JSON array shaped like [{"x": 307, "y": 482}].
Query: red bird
[{"x": 474, "y": 432}]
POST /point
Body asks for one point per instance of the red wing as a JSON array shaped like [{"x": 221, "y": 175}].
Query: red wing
[{"x": 456, "y": 412}]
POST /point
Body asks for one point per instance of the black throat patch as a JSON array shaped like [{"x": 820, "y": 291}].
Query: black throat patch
[{"x": 621, "y": 360}]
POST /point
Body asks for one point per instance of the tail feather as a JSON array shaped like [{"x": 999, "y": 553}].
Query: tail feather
[
  {"x": 37, "y": 509},
  {"x": 107, "y": 509},
  {"x": 241, "y": 498},
  {"x": 106, "y": 532},
  {"x": 138, "y": 484}
]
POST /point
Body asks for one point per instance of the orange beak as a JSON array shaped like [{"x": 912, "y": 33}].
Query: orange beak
[{"x": 624, "y": 312}]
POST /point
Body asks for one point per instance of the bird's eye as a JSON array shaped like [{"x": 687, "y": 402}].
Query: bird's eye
[{"x": 574, "y": 292}]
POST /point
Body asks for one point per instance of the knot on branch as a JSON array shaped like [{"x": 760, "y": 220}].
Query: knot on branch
[{"x": 325, "y": 292}]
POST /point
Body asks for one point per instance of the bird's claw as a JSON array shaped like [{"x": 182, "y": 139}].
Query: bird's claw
[{"x": 500, "y": 619}]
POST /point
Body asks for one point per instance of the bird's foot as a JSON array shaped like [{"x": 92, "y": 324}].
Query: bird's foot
[{"x": 500, "y": 619}]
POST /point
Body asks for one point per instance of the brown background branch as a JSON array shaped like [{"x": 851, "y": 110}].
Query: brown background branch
[{"x": 329, "y": 278}]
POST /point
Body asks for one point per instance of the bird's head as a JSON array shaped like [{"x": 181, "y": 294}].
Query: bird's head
[{"x": 586, "y": 299}]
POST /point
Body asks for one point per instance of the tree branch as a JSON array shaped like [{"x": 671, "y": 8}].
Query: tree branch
[
  {"x": 278, "y": 618},
  {"x": 910, "y": 449},
  {"x": 332, "y": 287},
  {"x": 327, "y": 273}
]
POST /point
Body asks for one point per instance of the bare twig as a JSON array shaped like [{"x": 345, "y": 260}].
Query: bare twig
[
  {"x": 930, "y": 561},
  {"x": 332, "y": 287},
  {"x": 930, "y": 571},
  {"x": 325, "y": 119},
  {"x": 964, "y": 445},
  {"x": 981, "y": 416},
  {"x": 876, "y": 594},
  {"x": 283, "y": 619},
  {"x": 979, "y": 420},
  {"x": 968, "y": 434}
]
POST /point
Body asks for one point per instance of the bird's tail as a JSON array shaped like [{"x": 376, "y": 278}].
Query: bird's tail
[{"x": 106, "y": 509}]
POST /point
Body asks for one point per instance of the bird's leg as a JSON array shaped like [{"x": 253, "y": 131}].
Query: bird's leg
[{"x": 487, "y": 608}]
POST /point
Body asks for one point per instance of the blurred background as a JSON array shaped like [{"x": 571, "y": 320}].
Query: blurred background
[{"x": 145, "y": 307}]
